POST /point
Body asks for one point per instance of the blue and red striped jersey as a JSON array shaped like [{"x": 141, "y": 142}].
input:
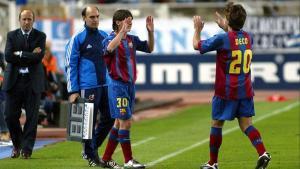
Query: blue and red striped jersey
[
  {"x": 234, "y": 55},
  {"x": 121, "y": 63}
]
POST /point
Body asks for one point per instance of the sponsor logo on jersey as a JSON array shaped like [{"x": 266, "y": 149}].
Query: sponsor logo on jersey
[{"x": 89, "y": 46}]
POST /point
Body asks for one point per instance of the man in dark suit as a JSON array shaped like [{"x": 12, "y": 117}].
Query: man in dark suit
[{"x": 23, "y": 82}]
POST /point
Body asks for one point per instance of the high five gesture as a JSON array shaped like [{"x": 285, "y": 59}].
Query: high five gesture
[
  {"x": 150, "y": 29},
  {"x": 198, "y": 26}
]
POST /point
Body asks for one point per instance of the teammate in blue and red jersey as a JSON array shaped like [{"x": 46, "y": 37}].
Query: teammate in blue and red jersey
[
  {"x": 233, "y": 89},
  {"x": 120, "y": 55}
]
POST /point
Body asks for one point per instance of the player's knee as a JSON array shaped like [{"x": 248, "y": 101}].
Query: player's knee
[
  {"x": 125, "y": 124},
  {"x": 244, "y": 123},
  {"x": 217, "y": 123},
  {"x": 243, "y": 127},
  {"x": 116, "y": 123}
]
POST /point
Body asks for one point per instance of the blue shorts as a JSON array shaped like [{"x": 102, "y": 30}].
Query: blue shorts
[
  {"x": 121, "y": 99},
  {"x": 223, "y": 109}
]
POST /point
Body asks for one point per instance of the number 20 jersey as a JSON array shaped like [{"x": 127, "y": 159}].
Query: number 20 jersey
[{"x": 234, "y": 55}]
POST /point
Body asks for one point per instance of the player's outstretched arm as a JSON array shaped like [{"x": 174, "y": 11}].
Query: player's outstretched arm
[
  {"x": 150, "y": 29},
  {"x": 120, "y": 34},
  {"x": 222, "y": 22},
  {"x": 198, "y": 26}
]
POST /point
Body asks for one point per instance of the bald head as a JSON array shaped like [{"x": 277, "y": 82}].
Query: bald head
[
  {"x": 26, "y": 19},
  {"x": 90, "y": 15},
  {"x": 27, "y": 11},
  {"x": 87, "y": 9}
]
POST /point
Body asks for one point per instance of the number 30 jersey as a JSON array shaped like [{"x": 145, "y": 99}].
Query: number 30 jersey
[{"x": 234, "y": 55}]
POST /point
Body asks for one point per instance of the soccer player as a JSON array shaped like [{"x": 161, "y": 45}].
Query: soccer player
[
  {"x": 233, "y": 96},
  {"x": 120, "y": 55}
]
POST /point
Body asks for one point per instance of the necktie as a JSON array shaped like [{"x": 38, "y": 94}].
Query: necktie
[
  {"x": 26, "y": 45},
  {"x": 26, "y": 40}
]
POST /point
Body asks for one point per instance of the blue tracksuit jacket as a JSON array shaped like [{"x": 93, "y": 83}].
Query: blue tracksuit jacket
[{"x": 84, "y": 62}]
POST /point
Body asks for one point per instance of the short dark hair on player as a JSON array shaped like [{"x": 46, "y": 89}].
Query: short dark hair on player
[
  {"x": 235, "y": 15},
  {"x": 120, "y": 15},
  {"x": 83, "y": 12}
]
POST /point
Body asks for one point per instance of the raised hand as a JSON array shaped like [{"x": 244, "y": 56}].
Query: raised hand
[
  {"x": 222, "y": 22},
  {"x": 198, "y": 23},
  {"x": 149, "y": 24},
  {"x": 126, "y": 25}
]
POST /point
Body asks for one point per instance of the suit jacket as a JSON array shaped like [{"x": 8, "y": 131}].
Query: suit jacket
[
  {"x": 16, "y": 42},
  {"x": 2, "y": 67}
]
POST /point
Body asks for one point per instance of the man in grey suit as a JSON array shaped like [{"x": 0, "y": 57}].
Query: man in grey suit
[{"x": 23, "y": 82}]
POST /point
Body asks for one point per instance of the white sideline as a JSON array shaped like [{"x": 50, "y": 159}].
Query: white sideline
[
  {"x": 143, "y": 141},
  {"x": 139, "y": 142},
  {"x": 275, "y": 112}
]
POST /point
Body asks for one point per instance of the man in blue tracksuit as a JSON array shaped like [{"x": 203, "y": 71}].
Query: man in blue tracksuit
[{"x": 86, "y": 77}]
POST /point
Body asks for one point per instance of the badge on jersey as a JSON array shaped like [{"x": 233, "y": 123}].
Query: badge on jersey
[{"x": 130, "y": 45}]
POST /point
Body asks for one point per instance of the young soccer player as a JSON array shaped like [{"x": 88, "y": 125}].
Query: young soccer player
[
  {"x": 233, "y": 89},
  {"x": 120, "y": 52}
]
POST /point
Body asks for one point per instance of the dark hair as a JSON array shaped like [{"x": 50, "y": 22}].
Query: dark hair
[
  {"x": 120, "y": 15},
  {"x": 83, "y": 12},
  {"x": 235, "y": 15},
  {"x": 27, "y": 10}
]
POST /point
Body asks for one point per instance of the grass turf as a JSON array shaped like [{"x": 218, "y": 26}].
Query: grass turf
[{"x": 181, "y": 131}]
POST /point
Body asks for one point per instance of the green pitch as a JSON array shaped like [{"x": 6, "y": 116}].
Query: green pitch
[{"x": 180, "y": 141}]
